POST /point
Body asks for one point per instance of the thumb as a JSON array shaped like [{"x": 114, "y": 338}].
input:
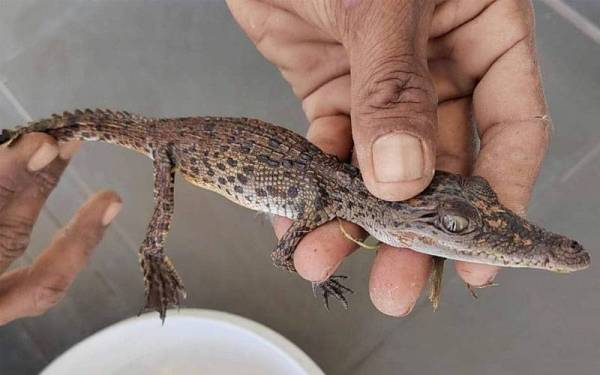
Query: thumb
[{"x": 393, "y": 100}]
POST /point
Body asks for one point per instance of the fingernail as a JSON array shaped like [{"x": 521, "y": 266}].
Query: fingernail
[
  {"x": 68, "y": 149},
  {"x": 42, "y": 157},
  {"x": 398, "y": 157},
  {"x": 111, "y": 212},
  {"x": 404, "y": 311}
]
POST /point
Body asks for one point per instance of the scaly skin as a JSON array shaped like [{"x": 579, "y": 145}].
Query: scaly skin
[{"x": 268, "y": 168}]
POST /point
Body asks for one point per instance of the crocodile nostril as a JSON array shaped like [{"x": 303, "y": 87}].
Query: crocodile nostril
[
  {"x": 573, "y": 246},
  {"x": 578, "y": 246}
]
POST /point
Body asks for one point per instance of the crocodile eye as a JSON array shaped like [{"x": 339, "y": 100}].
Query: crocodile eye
[{"x": 454, "y": 223}]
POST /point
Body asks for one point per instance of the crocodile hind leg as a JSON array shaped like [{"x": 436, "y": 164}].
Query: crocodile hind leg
[
  {"x": 163, "y": 285},
  {"x": 283, "y": 254}
]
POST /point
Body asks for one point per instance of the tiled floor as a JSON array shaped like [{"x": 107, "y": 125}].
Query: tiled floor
[
  {"x": 189, "y": 57},
  {"x": 590, "y": 9}
]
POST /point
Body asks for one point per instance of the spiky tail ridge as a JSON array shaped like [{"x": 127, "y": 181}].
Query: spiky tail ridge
[{"x": 117, "y": 127}]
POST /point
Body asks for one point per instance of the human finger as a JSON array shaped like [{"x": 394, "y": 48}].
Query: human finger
[{"x": 31, "y": 291}]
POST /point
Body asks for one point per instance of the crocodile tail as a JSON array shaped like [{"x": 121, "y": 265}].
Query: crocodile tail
[
  {"x": 117, "y": 127},
  {"x": 10, "y": 135},
  {"x": 7, "y": 136}
]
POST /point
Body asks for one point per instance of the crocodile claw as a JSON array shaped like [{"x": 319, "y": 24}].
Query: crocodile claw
[{"x": 332, "y": 287}]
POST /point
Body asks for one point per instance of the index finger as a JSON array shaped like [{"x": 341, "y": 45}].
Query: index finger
[
  {"x": 29, "y": 170},
  {"x": 511, "y": 115},
  {"x": 32, "y": 291}
]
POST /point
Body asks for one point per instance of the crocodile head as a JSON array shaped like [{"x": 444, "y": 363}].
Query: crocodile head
[{"x": 461, "y": 218}]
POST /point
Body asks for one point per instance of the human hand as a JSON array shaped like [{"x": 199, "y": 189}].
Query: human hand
[
  {"x": 399, "y": 81},
  {"x": 29, "y": 170}
]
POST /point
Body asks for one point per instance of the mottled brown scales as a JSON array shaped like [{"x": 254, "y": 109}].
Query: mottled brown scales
[{"x": 268, "y": 168}]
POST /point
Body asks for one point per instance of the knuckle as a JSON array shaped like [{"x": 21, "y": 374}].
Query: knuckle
[
  {"x": 314, "y": 106},
  {"x": 331, "y": 16},
  {"x": 259, "y": 34},
  {"x": 8, "y": 187},
  {"x": 45, "y": 182},
  {"x": 90, "y": 239},
  {"x": 520, "y": 15},
  {"x": 48, "y": 294},
  {"x": 14, "y": 237},
  {"x": 261, "y": 26},
  {"x": 86, "y": 237},
  {"x": 396, "y": 87}
]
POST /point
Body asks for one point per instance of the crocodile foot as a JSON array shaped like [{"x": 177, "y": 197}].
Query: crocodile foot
[
  {"x": 332, "y": 287},
  {"x": 163, "y": 285}
]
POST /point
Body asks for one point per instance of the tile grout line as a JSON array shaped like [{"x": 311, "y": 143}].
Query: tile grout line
[
  {"x": 583, "y": 161},
  {"x": 14, "y": 101},
  {"x": 81, "y": 184},
  {"x": 587, "y": 27}
]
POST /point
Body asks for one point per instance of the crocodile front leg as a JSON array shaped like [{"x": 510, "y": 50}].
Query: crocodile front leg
[
  {"x": 163, "y": 285},
  {"x": 283, "y": 254}
]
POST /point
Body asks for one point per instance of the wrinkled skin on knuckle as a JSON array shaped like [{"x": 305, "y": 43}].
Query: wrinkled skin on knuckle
[
  {"x": 45, "y": 182},
  {"x": 91, "y": 238},
  {"x": 14, "y": 238},
  {"x": 8, "y": 187},
  {"x": 520, "y": 13},
  {"x": 335, "y": 17},
  {"x": 75, "y": 235},
  {"x": 49, "y": 293},
  {"x": 398, "y": 88}
]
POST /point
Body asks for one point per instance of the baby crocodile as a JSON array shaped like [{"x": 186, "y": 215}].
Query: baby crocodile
[{"x": 268, "y": 168}]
